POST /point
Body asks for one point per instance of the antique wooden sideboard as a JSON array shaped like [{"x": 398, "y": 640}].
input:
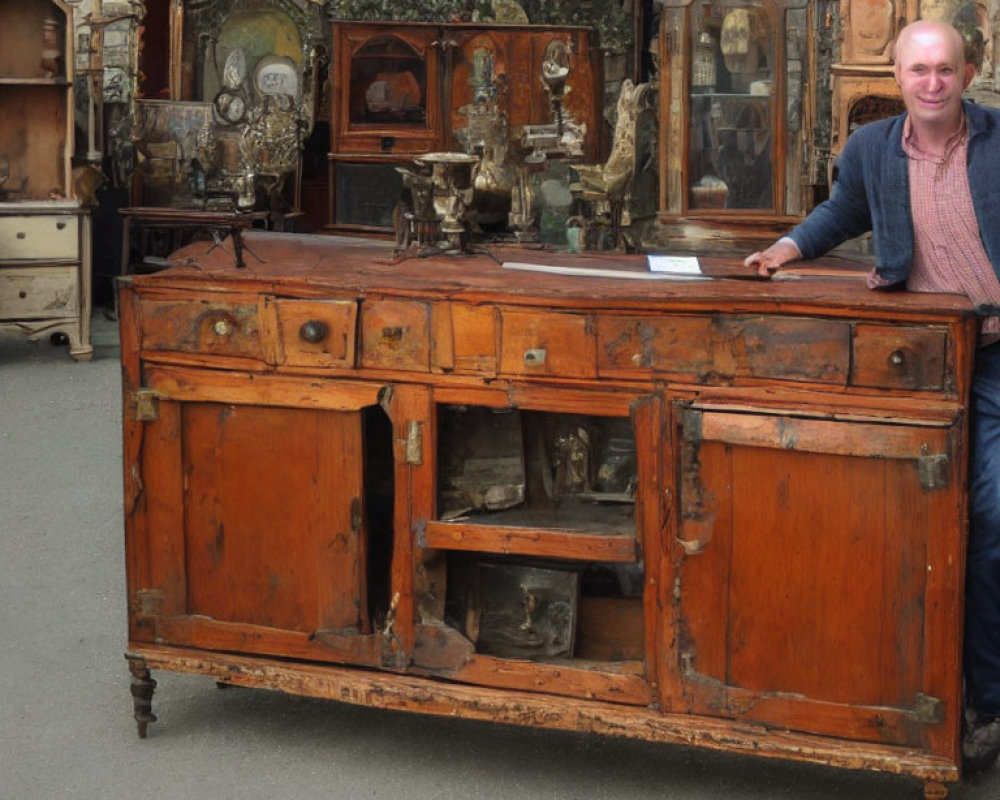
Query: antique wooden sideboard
[{"x": 727, "y": 513}]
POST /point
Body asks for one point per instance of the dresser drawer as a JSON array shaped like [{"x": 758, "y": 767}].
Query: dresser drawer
[
  {"x": 474, "y": 338},
  {"x": 395, "y": 334},
  {"x": 316, "y": 333},
  {"x": 216, "y": 327},
  {"x": 40, "y": 236},
  {"x": 547, "y": 343},
  {"x": 725, "y": 347},
  {"x": 899, "y": 357},
  {"x": 38, "y": 292}
]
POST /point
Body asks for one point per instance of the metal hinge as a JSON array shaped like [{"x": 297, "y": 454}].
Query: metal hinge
[
  {"x": 356, "y": 514},
  {"x": 687, "y": 662},
  {"x": 146, "y": 405},
  {"x": 934, "y": 471},
  {"x": 149, "y": 602},
  {"x": 414, "y": 443},
  {"x": 928, "y": 710},
  {"x": 669, "y": 42},
  {"x": 691, "y": 421}
]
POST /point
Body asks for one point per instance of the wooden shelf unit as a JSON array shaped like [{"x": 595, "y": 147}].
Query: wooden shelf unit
[{"x": 45, "y": 238}]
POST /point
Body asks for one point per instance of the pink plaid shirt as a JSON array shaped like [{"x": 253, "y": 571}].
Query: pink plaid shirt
[{"x": 948, "y": 252}]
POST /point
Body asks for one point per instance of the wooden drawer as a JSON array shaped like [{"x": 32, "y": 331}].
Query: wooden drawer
[
  {"x": 216, "y": 327},
  {"x": 474, "y": 339},
  {"x": 899, "y": 357},
  {"x": 395, "y": 334},
  {"x": 547, "y": 343},
  {"x": 315, "y": 333},
  {"x": 40, "y": 236},
  {"x": 703, "y": 348},
  {"x": 38, "y": 292}
]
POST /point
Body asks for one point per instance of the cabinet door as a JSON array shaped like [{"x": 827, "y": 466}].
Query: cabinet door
[
  {"x": 505, "y": 63},
  {"x": 387, "y": 97},
  {"x": 248, "y": 530},
  {"x": 817, "y": 575}
]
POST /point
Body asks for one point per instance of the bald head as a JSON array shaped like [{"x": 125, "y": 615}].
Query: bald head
[
  {"x": 931, "y": 72},
  {"x": 925, "y": 30}
]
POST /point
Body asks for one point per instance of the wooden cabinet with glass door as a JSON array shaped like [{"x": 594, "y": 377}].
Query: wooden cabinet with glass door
[
  {"x": 406, "y": 89},
  {"x": 733, "y": 101},
  {"x": 720, "y": 512}
]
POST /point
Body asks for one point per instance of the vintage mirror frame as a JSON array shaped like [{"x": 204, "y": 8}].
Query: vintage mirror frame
[{"x": 208, "y": 17}]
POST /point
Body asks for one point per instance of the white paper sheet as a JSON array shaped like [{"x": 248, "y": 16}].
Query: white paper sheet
[
  {"x": 675, "y": 265},
  {"x": 598, "y": 272}
]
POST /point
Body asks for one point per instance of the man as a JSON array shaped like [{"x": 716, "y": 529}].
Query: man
[{"x": 927, "y": 184}]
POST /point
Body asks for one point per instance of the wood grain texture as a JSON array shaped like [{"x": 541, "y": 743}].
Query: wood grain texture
[
  {"x": 795, "y": 546},
  {"x": 531, "y": 542},
  {"x": 538, "y": 710}
]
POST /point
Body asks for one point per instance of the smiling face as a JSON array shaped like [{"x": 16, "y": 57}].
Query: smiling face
[{"x": 931, "y": 72}]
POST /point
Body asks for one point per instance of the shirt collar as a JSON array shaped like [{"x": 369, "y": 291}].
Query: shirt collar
[{"x": 912, "y": 150}]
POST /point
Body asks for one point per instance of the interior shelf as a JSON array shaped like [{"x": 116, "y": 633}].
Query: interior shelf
[{"x": 548, "y": 543}]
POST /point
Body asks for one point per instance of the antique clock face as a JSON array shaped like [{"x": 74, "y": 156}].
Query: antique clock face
[{"x": 231, "y": 106}]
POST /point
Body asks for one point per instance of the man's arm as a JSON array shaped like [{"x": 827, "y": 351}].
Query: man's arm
[
  {"x": 841, "y": 217},
  {"x": 767, "y": 261}
]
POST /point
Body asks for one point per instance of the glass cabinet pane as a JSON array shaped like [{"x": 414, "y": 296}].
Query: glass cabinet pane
[
  {"x": 388, "y": 84},
  {"x": 732, "y": 100}
]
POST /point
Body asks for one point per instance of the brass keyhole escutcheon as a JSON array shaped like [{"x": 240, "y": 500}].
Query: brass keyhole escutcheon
[{"x": 535, "y": 357}]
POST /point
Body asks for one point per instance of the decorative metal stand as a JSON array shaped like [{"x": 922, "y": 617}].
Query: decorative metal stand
[
  {"x": 418, "y": 226},
  {"x": 452, "y": 180}
]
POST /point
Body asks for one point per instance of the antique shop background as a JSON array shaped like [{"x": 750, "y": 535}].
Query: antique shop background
[
  {"x": 67, "y": 730},
  {"x": 832, "y": 72}
]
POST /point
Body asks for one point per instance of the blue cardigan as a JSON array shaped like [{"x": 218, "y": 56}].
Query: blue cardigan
[{"x": 872, "y": 193}]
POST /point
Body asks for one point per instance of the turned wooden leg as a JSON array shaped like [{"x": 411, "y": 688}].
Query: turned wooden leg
[
  {"x": 142, "y": 689},
  {"x": 935, "y": 791}
]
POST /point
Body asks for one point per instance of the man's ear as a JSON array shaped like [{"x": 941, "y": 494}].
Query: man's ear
[{"x": 970, "y": 73}]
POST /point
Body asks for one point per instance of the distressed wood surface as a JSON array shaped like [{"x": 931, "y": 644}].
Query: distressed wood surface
[
  {"x": 333, "y": 345},
  {"x": 530, "y": 542},
  {"x": 788, "y": 580},
  {"x": 848, "y": 653},
  {"x": 532, "y": 709},
  {"x": 327, "y": 266}
]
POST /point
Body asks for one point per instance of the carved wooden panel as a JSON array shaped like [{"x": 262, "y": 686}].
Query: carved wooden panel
[
  {"x": 858, "y": 99},
  {"x": 870, "y": 28}
]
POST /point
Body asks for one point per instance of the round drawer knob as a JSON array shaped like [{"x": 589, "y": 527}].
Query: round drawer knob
[
  {"x": 897, "y": 358},
  {"x": 313, "y": 331},
  {"x": 222, "y": 327}
]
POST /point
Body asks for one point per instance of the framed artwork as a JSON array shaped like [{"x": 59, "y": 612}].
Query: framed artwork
[{"x": 166, "y": 137}]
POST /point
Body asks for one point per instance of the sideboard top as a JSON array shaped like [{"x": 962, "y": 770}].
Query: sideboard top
[{"x": 315, "y": 265}]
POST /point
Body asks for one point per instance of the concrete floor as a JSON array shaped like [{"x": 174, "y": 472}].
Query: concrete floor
[{"x": 66, "y": 728}]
